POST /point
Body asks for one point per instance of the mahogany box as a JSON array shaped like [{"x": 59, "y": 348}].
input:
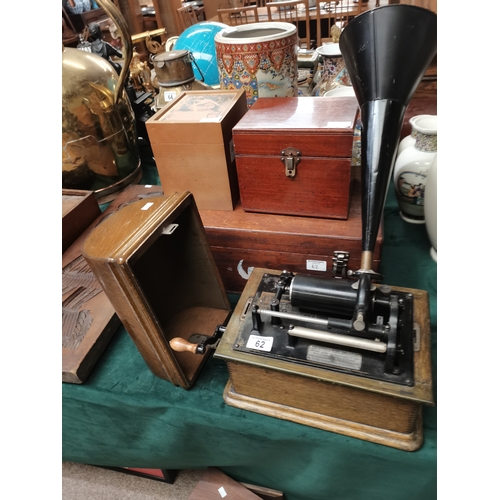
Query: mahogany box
[
  {"x": 154, "y": 263},
  {"x": 191, "y": 139},
  {"x": 294, "y": 155},
  {"x": 241, "y": 241}
]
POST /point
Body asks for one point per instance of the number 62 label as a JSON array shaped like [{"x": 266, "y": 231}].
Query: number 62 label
[{"x": 260, "y": 343}]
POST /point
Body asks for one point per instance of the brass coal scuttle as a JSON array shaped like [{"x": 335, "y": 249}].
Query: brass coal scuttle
[{"x": 99, "y": 141}]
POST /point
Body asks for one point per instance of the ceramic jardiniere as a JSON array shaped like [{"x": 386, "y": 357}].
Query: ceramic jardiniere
[{"x": 260, "y": 58}]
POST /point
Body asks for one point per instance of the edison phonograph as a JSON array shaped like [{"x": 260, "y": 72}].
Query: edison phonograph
[{"x": 347, "y": 355}]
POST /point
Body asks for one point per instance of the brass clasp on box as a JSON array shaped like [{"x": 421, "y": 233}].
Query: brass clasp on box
[{"x": 290, "y": 157}]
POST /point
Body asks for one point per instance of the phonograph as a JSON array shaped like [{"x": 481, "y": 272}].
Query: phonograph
[{"x": 349, "y": 355}]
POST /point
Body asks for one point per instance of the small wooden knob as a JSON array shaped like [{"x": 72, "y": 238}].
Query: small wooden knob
[{"x": 181, "y": 345}]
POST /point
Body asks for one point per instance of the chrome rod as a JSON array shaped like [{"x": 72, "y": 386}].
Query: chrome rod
[
  {"x": 293, "y": 317},
  {"x": 335, "y": 338}
]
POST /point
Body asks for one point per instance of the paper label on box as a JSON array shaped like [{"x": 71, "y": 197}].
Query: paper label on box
[
  {"x": 316, "y": 265},
  {"x": 205, "y": 107},
  {"x": 260, "y": 343},
  {"x": 169, "y": 95}
]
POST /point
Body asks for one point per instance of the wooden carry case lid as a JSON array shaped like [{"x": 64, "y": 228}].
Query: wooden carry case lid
[
  {"x": 154, "y": 263},
  {"x": 317, "y": 126}
]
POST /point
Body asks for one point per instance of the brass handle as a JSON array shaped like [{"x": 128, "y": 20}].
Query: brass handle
[
  {"x": 181, "y": 345},
  {"x": 147, "y": 34},
  {"x": 112, "y": 11}
]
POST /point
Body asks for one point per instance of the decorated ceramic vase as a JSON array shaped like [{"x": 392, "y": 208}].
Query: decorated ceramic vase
[
  {"x": 260, "y": 58},
  {"x": 334, "y": 73},
  {"x": 430, "y": 207},
  {"x": 409, "y": 140},
  {"x": 411, "y": 168}
]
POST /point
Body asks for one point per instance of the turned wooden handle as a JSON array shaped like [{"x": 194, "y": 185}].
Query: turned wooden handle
[{"x": 180, "y": 345}]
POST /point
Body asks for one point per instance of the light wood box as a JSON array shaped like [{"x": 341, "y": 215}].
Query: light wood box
[{"x": 192, "y": 144}]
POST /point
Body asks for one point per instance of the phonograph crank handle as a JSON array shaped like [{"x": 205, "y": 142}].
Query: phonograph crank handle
[{"x": 181, "y": 345}]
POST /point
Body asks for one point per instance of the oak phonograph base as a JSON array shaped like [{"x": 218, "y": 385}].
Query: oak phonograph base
[
  {"x": 343, "y": 402},
  {"x": 410, "y": 441}
]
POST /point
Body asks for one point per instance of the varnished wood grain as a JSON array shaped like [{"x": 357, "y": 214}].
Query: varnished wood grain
[
  {"x": 323, "y": 398},
  {"x": 197, "y": 155},
  {"x": 320, "y": 188},
  {"x": 322, "y": 130},
  {"x": 241, "y": 239},
  {"x": 154, "y": 263},
  {"x": 403, "y": 441},
  {"x": 79, "y": 210},
  {"x": 95, "y": 320}
]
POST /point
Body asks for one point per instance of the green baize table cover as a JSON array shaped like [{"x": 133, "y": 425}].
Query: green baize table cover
[{"x": 124, "y": 416}]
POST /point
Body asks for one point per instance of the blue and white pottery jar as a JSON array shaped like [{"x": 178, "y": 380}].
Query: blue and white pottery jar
[{"x": 411, "y": 168}]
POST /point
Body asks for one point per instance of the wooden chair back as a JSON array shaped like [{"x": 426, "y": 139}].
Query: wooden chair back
[
  {"x": 187, "y": 16},
  {"x": 335, "y": 13},
  {"x": 295, "y": 12},
  {"x": 235, "y": 16}
]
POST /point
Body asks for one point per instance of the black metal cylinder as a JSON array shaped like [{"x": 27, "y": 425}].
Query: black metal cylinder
[{"x": 323, "y": 294}]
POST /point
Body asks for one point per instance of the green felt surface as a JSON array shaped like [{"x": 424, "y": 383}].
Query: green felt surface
[{"x": 125, "y": 416}]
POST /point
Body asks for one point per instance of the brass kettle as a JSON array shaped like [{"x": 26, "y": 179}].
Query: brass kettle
[{"x": 99, "y": 140}]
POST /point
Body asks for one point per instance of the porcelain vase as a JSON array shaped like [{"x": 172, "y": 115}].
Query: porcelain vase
[
  {"x": 430, "y": 207},
  {"x": 411, "y": 168},
  {"x": 260, "y": 58},
  {"x": 409, "y": 140},
  {"x": 334, "y": 72}
]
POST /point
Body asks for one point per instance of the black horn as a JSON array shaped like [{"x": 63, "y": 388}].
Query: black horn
[{"x": 386, "y": 52}]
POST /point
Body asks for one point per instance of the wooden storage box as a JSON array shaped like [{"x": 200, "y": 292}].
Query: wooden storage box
[
  {"x": 192, "y": 144},
  {"x": 293, "y": 156},
  {"x": 153, "y": 261},
  {"x": 79, "y": 209},
  {"x": 243, "y": 240},
  {"x": 88, "y": 318}
]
